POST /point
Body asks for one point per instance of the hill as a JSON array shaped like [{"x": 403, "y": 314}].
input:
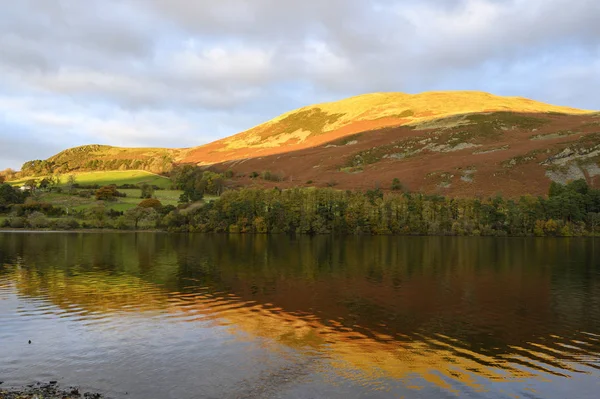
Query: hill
[
  {"x": 486, "y": 154},
  {"x": 451, "y": 143},
  {"x": 104, "y": 158},
  {"x": 317, "y": 124}
]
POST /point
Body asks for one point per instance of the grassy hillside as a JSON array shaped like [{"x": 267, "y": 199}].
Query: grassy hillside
[
  {"x": 104, "y": 158},
  {"x": 404, "y": 109},
  {"x": 122, "y": 177},
  {"x": 317, "y": 124},
  {"x": 103, "y": 178}
]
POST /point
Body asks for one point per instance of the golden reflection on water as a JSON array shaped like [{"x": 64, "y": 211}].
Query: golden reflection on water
[{"x": 436, "y": 358}]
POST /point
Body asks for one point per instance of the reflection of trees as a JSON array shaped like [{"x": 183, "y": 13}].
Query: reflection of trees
[
  {"x": 90, "y": 292},
  {"x": 400, "y": 305}
]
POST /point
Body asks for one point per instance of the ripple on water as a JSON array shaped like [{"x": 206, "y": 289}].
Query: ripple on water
[{"x": 261, "y": 331}]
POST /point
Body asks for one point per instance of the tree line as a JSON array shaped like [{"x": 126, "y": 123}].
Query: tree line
[{"x": 568, "y": 210}]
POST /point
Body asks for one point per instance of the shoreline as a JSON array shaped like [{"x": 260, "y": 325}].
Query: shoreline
[
  {"x": 50, "y": 390},
  {"x": 100, "y": 231},
  {"x": 30, "y": 230}
]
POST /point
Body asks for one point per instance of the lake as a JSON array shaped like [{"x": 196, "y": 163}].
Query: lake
[{"x": 151, "y": 315}]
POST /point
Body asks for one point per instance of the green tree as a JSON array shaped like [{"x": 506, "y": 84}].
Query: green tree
[
  {"x": 71, "y": 182},
  {"x": 31, "y": 184},
  {"x": 44, "y": 184},
  {"x": 593, "y": 219},
  {"x": 97, "y": 214},
  {"x": 579, "y": 186},
  {"x": 137, "y": 214},
  {"x": 10, "y": 196},
  {"x": 147, "y": 191},
  {"x": 556, "y": 189}
]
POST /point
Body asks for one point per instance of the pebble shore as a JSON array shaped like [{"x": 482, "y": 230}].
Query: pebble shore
[{"x": 49, "y": 390}]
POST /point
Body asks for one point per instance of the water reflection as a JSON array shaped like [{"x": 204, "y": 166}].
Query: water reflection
[{"x": 448, "y": 313}]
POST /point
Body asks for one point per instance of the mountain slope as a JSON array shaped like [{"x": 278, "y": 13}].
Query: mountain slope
[
  {"x": 485, "y": 154},
  {"x": 317, "y": 124},
  {"x": 450, "y": 143}
]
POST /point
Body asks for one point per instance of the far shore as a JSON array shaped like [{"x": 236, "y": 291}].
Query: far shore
[
  {"x": 101, "y": 231},
  {"x": 30, "y": 230}
]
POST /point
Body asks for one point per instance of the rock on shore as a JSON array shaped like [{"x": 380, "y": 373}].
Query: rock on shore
[{"x": 50, "y": 390}]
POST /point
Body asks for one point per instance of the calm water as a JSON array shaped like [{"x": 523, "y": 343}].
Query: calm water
[{"x": 193, "y": 316}]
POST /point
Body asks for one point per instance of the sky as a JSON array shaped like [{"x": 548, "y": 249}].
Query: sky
[{"x": 181, "y": 73}]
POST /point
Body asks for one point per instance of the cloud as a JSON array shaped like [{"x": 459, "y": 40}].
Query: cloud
[{"x": 179, "y": 72}]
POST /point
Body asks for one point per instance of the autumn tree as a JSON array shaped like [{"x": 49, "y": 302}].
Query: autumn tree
[
  {"x": 107, "y": 193},
  {"x": 150, "y": 203}
]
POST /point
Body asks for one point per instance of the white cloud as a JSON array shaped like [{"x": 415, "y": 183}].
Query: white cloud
[
  {"x": 222, "y": 65},
  {"x": 127, "y": 71}
]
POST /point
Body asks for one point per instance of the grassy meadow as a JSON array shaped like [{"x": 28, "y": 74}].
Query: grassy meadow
[
  {"x": 104, "y": 178},
  {"x": 121, "y": 204},
  {"x": 133, "y": 196}
]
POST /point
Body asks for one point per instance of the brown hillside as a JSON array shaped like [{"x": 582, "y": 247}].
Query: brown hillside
[
  {"x": 484, "y": 154},
  {"x": 317, "y": 124}
]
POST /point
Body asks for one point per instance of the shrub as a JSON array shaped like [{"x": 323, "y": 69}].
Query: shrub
[
  {"x": 111, "y": 213},
  {"x": 17, "y": 222},
  {"x": 46, "y": 208},
  {"x": 107, "y": 193},
  {"x": 17, "y": 210},
  {"x": 66, "y": 224},
  {"x": 229, "y": 173},
  {"x": 166, "y": 209},
  {"x": 150, "y": 203},
  {"x": 37, "y": 220},
  {"x": 121, "y": 223},
  {"x": 309, "y": 182},
  {"x": 268, "y": 175},
  {"x": 396, "y": 185},
  {"x": 254, "y": 175}
]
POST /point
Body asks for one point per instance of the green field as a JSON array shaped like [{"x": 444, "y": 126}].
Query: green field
[
  {"x": 166, "y": 197},
  {"x": 121, "y": 204},
  {"x": 110, "y": 177}
]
